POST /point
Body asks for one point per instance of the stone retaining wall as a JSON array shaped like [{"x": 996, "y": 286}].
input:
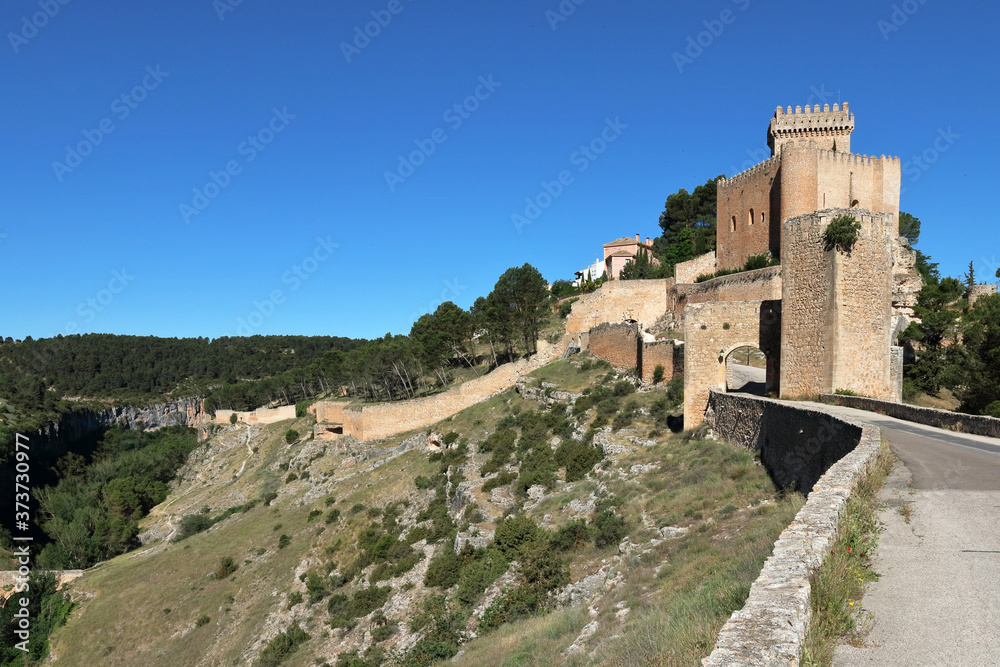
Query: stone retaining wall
[
  {"x": 258, "y": 416},
  {"x": 771, "y": 627},
  {"x": 953, "y": 421}
]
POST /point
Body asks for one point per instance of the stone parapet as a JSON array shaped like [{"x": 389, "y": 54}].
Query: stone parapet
[
  {"x": 772, "y": 626},
  {"x": 946, "y": 419}
]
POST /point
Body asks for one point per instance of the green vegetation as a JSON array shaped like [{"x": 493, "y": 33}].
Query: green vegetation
[
  {"x": 754, "y": 262},
  {"x": 842, "y": 233},
  {"x": 838, "y": 585},
  {"x": 94, "y": 511},
  {"x": 47, "y": 610},
  {"x": 283, "y": 646},
  {"x": 291, "y": 435}
]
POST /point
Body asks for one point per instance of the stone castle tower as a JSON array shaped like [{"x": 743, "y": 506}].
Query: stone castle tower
[{"x": 811, "y": 168}]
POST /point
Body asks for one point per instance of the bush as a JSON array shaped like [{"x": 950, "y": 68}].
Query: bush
[
  {"x": 513, "y": 533},
  {"x": 283, "y": 646},
  {"x": 450, "y": 437},
  {"x": 574, "y": 535},
  {"x": 191, "y": 525},
  {"x": 422, "y": 482},
  {"x": 609, "y": 528},
  {"x": 993, "y": 409},
  {"x": 502, "y": 479},
  {"x": 284, "y": 541},
  {"x": 291, "y": 435},
  {"x": 842, "y": 233},
  {"x": 232, "y": 418},
  {"x": 578, "y": 458},
  {"x": 202, "y": 620},
  {"x": 658, "y": 373},
  {"x": 444, "y": 570},
  {"x": 623, "y": 388},
  {"x": 294, "y": 598},
  {"x": 226, "y": 567}
]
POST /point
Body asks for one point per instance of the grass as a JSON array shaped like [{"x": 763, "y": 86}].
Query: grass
[{"x": 837, "y": 587}]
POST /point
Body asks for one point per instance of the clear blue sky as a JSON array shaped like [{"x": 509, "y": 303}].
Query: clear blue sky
[{"x": 199, "y": 81}]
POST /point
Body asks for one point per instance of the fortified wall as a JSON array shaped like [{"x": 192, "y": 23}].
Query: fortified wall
[
  {"x": 687, "y": 272},
  {"x": 375, "y": 422},
  {"x": 643, "y": 300},
  {"x": 623, "y": 346},
  {"x": 258, "y": 416},
  {"x": 979, "y": 291}
]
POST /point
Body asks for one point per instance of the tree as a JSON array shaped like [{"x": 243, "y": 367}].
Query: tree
[
  {"x": 938, "y": 365},
  {"x": 909, "y": 226},
  {"x": 970, "y": 278},
  {"x": 981, "y": 337},
  {"x": 685, "y": 210},
  {"x": 641, "y": 268},
  {"x": 517, "y": 305}
]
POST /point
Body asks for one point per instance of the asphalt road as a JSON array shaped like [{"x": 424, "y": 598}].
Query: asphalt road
[{"x": 938, "y": 599}]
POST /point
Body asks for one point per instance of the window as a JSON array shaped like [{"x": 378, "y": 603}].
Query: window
[
  {"x": 734, "y": 223},
  {"x": 750, "y": 217},
  {"x": 762, "y": 219}
]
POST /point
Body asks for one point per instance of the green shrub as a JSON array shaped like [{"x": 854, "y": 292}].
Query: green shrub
[
  {"x": 332, "y": 516},
  {"x": 357, "y": 507},
  {"x": 513, "y": 533},
  {"x": 284, "y": 541},
  {"x": 578, "y": 458},
  {"x": 444, "y": 570},
  {"x": 842, "y": 233},
  {"x": 502, "y": 479},
  {"x": 294, "y": 598},
  {"x": 609, "y": 528},
  {"x": 381, "y": 633},
  {"x": 232, "y": 418},
  {"x": 574, "y": 535},
  {"x": 658, "y": 373},
  {"x": 283, "y": 646},
  {"x": 226, "y": 567},
  {"x": 202, "y": 620},
  {"x": 191, "y": 525},
  {"x": 291, "y": 435},
  {"x": 422, "y": 482},
  {"x": 450, "y": 437},
  {"x": 316, "y": 587},
  {"x": 623, "y": 388}
]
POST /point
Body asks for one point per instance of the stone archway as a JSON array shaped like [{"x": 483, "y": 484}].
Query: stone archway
[{"x": 712, "y": 331}]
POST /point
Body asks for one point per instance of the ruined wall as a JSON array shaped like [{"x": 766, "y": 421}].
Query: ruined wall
[
  {"x": 618, "y": 344},
  {"x": 664, "y": 353},
  {"x": 687, "y": 272},
  {"x": 748, "y": 214},
  {"x": 711, "y": 332},
  {"x": 836, "y": 322},
  {"x": 979, "y": 291},
  {"x": 258, "y": 416},
  {"x": 906, "y": 280},
  {"x": 814, "y": 179},
  {"x": 645, "y": 299}
]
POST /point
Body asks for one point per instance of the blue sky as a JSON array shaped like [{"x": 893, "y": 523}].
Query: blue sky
[{"x": 200, "y": 168}]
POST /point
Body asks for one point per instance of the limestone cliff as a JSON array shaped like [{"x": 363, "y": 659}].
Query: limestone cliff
[{"x": 906, "y": 280}]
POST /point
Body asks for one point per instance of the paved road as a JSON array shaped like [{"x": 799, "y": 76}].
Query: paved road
[
  {"x": 747, "y": 379},
  {"x": 938, "y": 600}
]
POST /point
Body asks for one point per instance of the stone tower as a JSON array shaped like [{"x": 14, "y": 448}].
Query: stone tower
[{"x": 830, "y": 128}]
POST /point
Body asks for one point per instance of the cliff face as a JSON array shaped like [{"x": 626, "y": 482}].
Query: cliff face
[{"x": 79, "y": 423}]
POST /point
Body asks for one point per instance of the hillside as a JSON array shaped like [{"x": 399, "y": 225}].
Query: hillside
[{"x": 347, "y": 557}]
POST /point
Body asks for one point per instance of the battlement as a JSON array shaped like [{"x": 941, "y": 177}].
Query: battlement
[
  {"x": 750, "y": 173},
  {"x": 844, "y": 157},
  {"x": 828, "y": 127}
]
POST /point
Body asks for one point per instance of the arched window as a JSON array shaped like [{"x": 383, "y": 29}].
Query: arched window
[
  {"x": 762, "y": 219},
  {"x": 734, "y": 223},
  {"x": 750, "y": 217},
  {"x": 854, "y": 204}
]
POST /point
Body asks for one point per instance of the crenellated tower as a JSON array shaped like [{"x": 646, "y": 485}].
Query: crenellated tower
[{"x": 829, "y": 128}]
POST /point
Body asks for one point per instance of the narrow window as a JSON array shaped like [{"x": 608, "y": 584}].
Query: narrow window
[
  {"x": 734, "y": 223},
  {"x": 750, "y": 217}
]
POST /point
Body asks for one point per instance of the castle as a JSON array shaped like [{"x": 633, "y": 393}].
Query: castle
[{"x": 825, "y": 318}]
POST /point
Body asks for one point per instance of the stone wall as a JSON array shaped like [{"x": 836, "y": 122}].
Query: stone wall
[
  {"x": 665, "y": 353},
  {"x": 687, "y": 272},
  {"x": 836, "y": 312},
  {"x": 749, "y": 214},
  {"x": 646, "y": 300},
  {"x": 906, "y": 280},
  {"x": 711, "y": 332},
  {"x": 375, "y": 422},
  {"x": 814, "y": 179},
  {"x": 896, "y": 373},
  {"x": 771, "y": 627},
  {"x": 258, "y": 416},
  {"x": 618, "y": 344},
  {"x": 953, "y": 421},
  {"x": 979, "y": 291},
  {"x": 759, "y": 285}
]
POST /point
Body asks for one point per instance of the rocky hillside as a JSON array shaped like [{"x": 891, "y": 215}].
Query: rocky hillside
[{"x": 558, "y": 523}]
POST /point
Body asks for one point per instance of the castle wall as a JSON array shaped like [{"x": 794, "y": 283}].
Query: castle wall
[
  {"x": 814, "y": 179},
  {"x": 258, "y": 416},
  {"x": 645, "y": 299},
  {"x": 375, "y": 422},
  {"x": 617, "y": 344},
  {"x": 687, "y": 272},
  {"x": 979, "y": 291},
  {"x": 711, "y": 332},
  {"x": 758, "y": 285},
  {"x": 748, "y": 212},
  {"x": 836, "y": 322},
  {"x": 664, "y": 353}
]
